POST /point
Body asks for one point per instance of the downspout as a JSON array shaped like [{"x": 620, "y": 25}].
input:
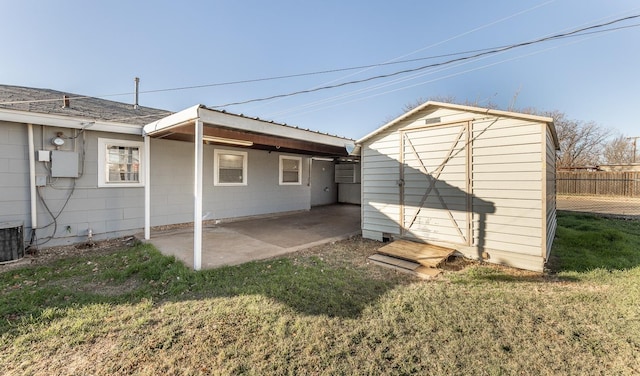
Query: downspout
[{"x": 32, "y": 179}]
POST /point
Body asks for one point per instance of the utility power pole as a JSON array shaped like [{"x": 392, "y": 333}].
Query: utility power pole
[{"x": 635, "y": 140}]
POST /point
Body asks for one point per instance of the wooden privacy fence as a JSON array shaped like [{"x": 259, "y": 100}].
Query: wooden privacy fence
[{"x": 599, "y": 183}]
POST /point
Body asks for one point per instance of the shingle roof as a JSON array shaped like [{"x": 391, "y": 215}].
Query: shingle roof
[{"x": 47, "y": 101}]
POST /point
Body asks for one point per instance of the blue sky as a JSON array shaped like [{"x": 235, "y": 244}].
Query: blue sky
[{"x": 98, "y": 47}]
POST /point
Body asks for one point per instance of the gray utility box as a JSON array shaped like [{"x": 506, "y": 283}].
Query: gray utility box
[{"x": 64, "y": 164}]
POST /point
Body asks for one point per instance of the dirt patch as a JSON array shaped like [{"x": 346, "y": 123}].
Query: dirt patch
[
  {"x": 104, "y": 288},
  {"x": 47, "y": 255},
  {"x": 456, "y": 263},
  {"x": 608, "y": 206},
  {"x": 354, "y": 252}
]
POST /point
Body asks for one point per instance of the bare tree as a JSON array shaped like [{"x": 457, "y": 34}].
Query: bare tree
[
  {"x": 581, "y": 143},
  {"x": 444, "y": 99},
  {"x": 618, "y": 151},
  {"x": 420, "y": 101},
  {"x": 413, "y": 104}
]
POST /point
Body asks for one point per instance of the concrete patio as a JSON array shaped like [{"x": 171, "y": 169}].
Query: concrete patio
[{"x": 233, "y": 243}]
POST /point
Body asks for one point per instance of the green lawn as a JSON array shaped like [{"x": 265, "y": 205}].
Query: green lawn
[{"x": 327, "y": 311}]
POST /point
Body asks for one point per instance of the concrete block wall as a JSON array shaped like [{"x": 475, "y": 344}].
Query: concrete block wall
[
  {"x": 14, "y": 198},
  {"x": 172, "y": 185}
]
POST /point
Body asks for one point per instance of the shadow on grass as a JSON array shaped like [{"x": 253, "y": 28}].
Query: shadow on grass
[
  {"x": 495, "y": 273},
  {"x": 313, "y": 288},
  {"x": 309, "y": 285},
  {"x": 588, "y": 242},
  {"x": 583, "y": 243}
]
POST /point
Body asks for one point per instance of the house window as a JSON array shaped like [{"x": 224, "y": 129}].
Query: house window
[
  {"x": 120, "y": 163},
  {"x": 230, "y": 167},
  {"x": 290, "y": 170}
]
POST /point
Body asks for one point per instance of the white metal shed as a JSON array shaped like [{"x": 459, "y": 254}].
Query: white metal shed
[{"x": 478, "y": 180}]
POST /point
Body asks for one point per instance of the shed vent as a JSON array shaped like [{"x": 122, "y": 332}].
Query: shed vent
[
  {"x": 435, "y": 120},
  {"x": 11, "y": 241}
]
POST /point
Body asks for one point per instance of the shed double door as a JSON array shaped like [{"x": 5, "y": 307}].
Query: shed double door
[{"x": 435, "y": 184}]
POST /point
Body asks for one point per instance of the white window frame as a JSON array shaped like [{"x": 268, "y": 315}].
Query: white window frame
[
  {"x": 103, "y": 165},
  {"x": 280, "y": 171},
  {"x": 216, "y": 163}
]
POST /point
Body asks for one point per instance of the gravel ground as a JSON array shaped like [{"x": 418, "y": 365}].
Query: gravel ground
[{"x": 614, "y": 206}]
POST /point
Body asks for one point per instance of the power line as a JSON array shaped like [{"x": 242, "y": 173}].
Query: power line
[
  {"x": 492, "y": 51},
  {"x": 392, "y": 82},
  {"x": 262, "y": 79},
  {"x": 397, "y": 60},
  {"x": 426, "y": 82},
  {"x": 414, "y": 76},
  {"x": 478, "y": 53}
]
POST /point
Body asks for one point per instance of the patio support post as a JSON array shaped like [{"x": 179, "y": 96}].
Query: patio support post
[
  {"x": 197, "y": 196},
  {"x": 147, "y": 187}
]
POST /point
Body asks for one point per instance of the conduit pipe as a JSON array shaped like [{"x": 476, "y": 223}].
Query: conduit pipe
[{"x": 32, "y": 178}]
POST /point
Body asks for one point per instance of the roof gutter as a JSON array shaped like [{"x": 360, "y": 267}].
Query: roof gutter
[
  {"x": 68, "y": 122},
  {"x": 241, "y": 123},
  {"x": 179, "y": 118}
]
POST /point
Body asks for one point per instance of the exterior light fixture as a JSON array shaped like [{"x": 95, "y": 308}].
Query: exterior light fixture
[{"x": 228, "y": 141}]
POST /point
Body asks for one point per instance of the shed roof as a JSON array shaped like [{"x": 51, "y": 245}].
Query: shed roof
[{"x": 478, "y": 110}]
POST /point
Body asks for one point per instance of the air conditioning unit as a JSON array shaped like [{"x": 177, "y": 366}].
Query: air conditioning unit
[{"x": 11, "y": 241}]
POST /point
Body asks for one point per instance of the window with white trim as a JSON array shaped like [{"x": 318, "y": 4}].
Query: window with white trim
[
  {"x": 120, "y": 163},
  {"x": 290, "y": 170},
  {"x": 230, "y": 167}
]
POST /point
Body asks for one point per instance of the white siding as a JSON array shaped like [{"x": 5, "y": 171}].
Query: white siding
[
  {"x": 14, "y": 169},
  {"x": 438, "y": 214},
  {"x": 507, "y": 177},
  {"x": 550, "y": 160},
  {"x": 512, "y": 178},
  {"x": 446, "y": 115},
  {"x": 380, "y": 191}
]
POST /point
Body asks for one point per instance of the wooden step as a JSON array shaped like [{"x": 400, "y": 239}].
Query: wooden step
[
  {"x": 404, "y": 266},
  {"x": 425, "y": 254}
]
